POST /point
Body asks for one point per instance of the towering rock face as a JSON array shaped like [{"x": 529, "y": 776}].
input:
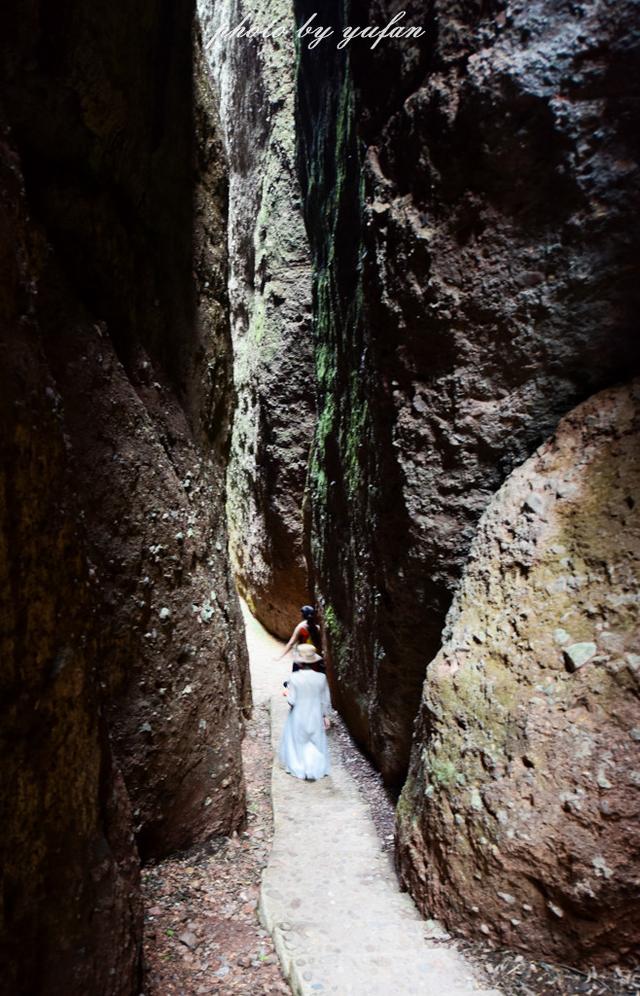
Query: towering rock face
[
  {"x": 468, "y": 197},
  {"x": 119, "y": 611},
  {"x": 69, "y": 863},
  {"x": 270, "y": 298},
  {"x": 519, "y": 815}
]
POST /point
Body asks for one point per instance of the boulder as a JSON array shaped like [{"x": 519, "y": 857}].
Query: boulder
[
  {"x": 518, "y": 820},
  {"x": 468, "y": 199}
]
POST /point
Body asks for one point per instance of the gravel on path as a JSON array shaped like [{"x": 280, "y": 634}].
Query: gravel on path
[{"x": 512, "y": 971}]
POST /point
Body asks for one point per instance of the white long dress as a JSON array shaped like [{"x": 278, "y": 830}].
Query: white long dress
[{"x": 303, "y": 748}]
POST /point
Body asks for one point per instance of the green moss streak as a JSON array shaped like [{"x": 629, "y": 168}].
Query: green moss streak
[{"x": 338, "y": 640}]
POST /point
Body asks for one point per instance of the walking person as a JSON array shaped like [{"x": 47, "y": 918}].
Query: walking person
[
  {"x": 306, "y": 632},
  {"x": 304, "y": 751}
]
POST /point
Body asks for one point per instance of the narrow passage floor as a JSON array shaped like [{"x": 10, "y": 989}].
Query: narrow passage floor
[{"x": 329, "y": 896}]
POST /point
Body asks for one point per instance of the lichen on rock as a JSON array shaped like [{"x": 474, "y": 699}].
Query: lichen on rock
[
  {"x": 467, "y": 200},
  {"x": 520, "y": 809},
  {"x": 270, "y": 299}
]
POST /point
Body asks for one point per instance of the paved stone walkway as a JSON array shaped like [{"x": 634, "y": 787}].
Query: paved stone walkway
[{"x": 330, "y": 898}]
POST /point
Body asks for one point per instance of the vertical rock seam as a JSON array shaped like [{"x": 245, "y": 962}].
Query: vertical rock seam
[
  {"x": 270, "y": 299},
  {"x": 467, "y": 199}
]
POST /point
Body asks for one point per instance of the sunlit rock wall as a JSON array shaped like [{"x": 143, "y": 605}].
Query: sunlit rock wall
[
  {"x": 518, "y": 819},
  {"x": 270, "y": 299}
]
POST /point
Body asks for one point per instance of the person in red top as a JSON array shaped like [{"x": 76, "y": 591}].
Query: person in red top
[{"x": 305, "y": 632}]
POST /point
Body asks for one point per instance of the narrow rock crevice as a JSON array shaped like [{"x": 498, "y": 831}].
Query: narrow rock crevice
[
  {"x": 349, "y": 326},
  {"x": 270, "y": 301}
]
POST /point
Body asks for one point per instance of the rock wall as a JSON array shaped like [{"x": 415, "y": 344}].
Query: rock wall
[
  {"x": 69, "y": 863},
  {"x": 519, "y": 814},
  {"x": 270, "y": 298},
  {"x": 468, "y": 200},
  {"x": 119, "y": 609}
]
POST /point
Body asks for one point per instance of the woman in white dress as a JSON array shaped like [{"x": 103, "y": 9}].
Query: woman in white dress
[{"x": 303, "y": 748}]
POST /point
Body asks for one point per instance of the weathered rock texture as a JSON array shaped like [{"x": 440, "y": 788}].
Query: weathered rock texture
[
  {"x": 270, "y": 298},
  {"x": 519, "y": 814},
  {"x": 468, "y": 198},
  {"x": 119, "y": 609},
  {"x": 71, "y": 919}
]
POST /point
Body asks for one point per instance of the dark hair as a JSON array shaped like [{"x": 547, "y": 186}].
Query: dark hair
[{"x": 308, "y": 613}]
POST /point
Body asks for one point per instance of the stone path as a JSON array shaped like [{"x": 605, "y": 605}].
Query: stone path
[{"x": 330, "y": 898}]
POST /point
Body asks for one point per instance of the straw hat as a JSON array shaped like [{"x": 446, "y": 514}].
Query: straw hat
[{"x": 306, "y": 654}]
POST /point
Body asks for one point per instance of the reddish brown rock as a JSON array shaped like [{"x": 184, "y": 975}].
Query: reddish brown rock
[
  {"x": 270, "y": 304},
  {"x": 124, "y": 667},
  {"x": 137, "y": 338},
  {"x": 518, "y": 819},
  {"x": 468, "y": 199},
  {"x": 171, "y": 651},
  {"x": 71, "y": 914}
]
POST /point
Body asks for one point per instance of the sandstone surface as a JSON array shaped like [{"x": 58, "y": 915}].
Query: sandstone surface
[
  {"x": 270, "y": 301},
  {"x": 124, "y": 660},
  {"x": 518, "y": 819},
  {"x": 475, "y": 277},
  {"x": 68, "y": 859}
]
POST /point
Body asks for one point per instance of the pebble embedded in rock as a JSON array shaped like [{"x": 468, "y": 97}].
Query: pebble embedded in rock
[
  {"x": 535, "y": 503},
  {"x": 578, "y": 654},
  {"x": 556, "y": 910}
]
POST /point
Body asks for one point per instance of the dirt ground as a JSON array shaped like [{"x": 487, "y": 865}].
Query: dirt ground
[{"x": 202, "y": 933}]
